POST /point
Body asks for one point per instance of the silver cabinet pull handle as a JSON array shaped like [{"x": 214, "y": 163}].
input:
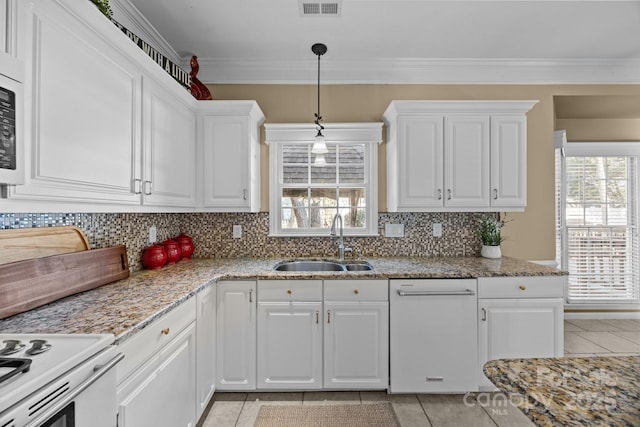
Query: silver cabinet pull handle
[
  {"x": 250, "y": 295},
  {"x": 317, "y": 317},
  {"x": 439, "y": 193},
  {"x": 244, "y": 194},
  {"x": 328, "y": 316},
  {"x": 147, "y": 187},
  {"x": 484, "y": 315},
  {"x": 449, "y": 194},
  {"x": 403, "y": 293},
  {"x": 137, "y": 186},
  {"x": 495, "y": 194}
]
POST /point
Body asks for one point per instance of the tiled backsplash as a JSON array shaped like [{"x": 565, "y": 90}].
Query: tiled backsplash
[{"x": 212, "y": 234}]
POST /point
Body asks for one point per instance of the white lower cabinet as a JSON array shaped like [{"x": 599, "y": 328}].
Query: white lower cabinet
[
  {"x": 356, "y": 334},
  {"x": 206, "y": 348},
  {"x": 519, "y": 317},
  {"x": 289, "y": 334},
  {"x": 236, "y": 335},
  {"x": 157, "y": 383},
  {"x": 304, "y": 344}
]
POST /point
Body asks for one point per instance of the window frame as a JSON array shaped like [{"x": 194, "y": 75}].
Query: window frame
[
  {"x": 595, "y": 149},
  {"x": 367, "y": 134}
]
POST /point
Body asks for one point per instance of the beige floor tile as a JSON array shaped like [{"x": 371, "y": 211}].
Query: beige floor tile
[
  {"x": 502, "y": 411},
  {"x": 593, "y": 325},
  {"x": 628, "y": 335},
  {"x": 610, "y": 342},
  {"x": 280, "y": 397},
  {"x": 574, "y": 343},
  {"x": 383, "y": 396},
  {"x": 410, "y": 414},
  {"x": 331, "y": 397},
  {"x": 223, "y": 414},
  {"x": 454, "y": 410},
  {"x": 229, "y": 397},
  {"x": 571, "y": 327},
  {"x": 624, "y": 324}
]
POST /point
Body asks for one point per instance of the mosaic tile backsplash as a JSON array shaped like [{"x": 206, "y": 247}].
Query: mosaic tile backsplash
[{"x": 212, "y": 234}]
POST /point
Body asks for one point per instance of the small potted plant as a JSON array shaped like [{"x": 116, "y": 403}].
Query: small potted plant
[{"x": 490, "y": 226}]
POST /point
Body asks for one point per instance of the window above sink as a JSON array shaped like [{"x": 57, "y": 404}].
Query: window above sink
[{"x": 304, "y": 197}]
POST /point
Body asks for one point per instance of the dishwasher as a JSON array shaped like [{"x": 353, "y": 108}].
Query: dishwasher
[{"x": 433, "y": 336}]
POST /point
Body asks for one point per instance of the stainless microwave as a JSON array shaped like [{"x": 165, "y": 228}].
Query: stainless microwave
[{"x": 11, "y": 128}]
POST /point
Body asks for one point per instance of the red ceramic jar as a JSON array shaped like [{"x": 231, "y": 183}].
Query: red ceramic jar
[
  {"x": 173, "y": 251},
  {"x": 186, "y": 245},
  {"x": 154, "y": 257}
]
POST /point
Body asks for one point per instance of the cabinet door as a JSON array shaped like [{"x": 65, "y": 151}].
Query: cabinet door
[
  {"x": 206, "y": 348},
  {"x": 169, "y": 136},
  {"x": 82, "y": 105},
  {"x": 512, "y": 328},
  {"x": 227, "y": 163},
  {"x": 466, "y": 154},
  {"x": 508, "y": 161},
  {"x": 162, "y": 392},
  {"x": 236, "y": 335},
  {"x": 419, "y": 163},
  {"x": 356, "y": 345},
  {"x": 289, "y": 345}
]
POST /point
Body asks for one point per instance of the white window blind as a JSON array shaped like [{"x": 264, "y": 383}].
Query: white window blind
[{"x": 597, "y": 219}]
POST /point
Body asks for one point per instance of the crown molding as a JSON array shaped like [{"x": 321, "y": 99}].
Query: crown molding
[
  {"x": 128, "y": 15},
  {"x": 422, "y": 71}
]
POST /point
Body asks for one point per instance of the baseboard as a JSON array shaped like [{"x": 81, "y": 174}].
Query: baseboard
[{"x": 601, "y": 314}]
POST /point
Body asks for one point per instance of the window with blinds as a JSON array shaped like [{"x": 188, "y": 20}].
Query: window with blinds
[{"x": 597, "y": 234}]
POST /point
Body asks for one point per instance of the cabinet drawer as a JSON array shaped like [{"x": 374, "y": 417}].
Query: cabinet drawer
[
  {"x": 153, "y": 337},
  {"x": 521, "y": 287},
  {"x": 289, "y": 290},
  {"x": 356, "y": 290}
]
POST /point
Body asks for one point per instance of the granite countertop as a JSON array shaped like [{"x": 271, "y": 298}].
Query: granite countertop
[
  {"x": 126, "y": 306},
  {"x": 580, "y": 391}
]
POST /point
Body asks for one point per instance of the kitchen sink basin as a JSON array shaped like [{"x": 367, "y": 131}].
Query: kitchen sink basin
[
  {"x": 359, "y": 267},
  {"x": 321, "y": 266}
]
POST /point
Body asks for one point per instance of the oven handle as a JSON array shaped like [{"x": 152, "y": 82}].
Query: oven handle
[
  {"x": 99, "y": 371},
  {"x": 403, "y": 293}
]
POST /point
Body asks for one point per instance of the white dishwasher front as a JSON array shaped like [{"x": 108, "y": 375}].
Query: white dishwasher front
[{"x": 433, "y": 335}]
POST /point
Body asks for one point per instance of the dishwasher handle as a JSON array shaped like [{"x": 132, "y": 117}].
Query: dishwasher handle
[{"x": 466, "y": 292}]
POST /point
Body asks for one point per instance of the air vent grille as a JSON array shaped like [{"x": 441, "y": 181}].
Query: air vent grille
[{"x": 315, "y": 8}]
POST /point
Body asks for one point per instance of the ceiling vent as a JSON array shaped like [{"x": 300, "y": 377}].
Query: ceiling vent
[{"x": 314, "y": 8}]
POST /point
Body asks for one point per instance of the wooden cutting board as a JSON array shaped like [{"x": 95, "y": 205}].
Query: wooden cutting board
[
  {"x": 28, "y": 284},
  {"x": 29, "y": 243}
]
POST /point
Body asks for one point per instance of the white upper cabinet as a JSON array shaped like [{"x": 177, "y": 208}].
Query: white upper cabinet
[
  {"x": 229, "y": 138},
  {"x": 169, "y": 136},
  {"x": 11, "y": 59},
  {"x": 456, "y": 155}
]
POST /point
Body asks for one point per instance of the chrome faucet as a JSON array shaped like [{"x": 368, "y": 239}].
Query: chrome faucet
[{"x": 341, "y": 248}]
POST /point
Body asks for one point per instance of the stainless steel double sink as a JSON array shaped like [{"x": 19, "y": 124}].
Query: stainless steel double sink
[{"x": 299, "y": 266}]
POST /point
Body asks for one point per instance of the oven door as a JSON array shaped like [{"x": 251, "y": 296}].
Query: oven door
[{"x": 84, "y": 396}]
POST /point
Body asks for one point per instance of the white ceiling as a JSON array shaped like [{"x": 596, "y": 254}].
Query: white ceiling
[{"x": 414, "y": 41}]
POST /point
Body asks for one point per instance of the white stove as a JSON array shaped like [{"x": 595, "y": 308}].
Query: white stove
[{"x": 48, "y": 370}]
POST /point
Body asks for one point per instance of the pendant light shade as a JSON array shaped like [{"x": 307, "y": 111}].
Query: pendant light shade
[{"x": 319, "y": 146}]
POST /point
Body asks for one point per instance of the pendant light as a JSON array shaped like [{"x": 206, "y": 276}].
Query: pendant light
[{"x": 319, "y": 146}]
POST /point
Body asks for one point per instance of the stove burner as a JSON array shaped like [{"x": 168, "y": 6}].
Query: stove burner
[
  {"x": 37, "y": 347},
  {"x": 11, "y": 346},
  {"x": 18, "y": 365}
]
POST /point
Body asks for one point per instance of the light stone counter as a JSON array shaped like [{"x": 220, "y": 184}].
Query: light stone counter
[
  {"x": 128, "y": 305},
  {"x": 580, "y": 391}
]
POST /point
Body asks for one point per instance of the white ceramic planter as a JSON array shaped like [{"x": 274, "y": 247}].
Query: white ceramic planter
[{"x": 490, "y": 252}]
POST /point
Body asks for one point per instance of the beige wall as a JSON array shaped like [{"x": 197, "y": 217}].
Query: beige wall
[{"x": 531, "y": 234}]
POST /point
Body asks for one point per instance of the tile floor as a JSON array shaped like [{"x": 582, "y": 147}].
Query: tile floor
[{"x": 582, "y": 338}]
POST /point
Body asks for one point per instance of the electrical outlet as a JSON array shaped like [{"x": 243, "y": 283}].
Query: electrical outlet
[
  {"x": 394, "y": 230},
  {"x": 153, "y": 234},
  {"x": 437, "y": 229},
  {"x": 237, "y": 231}
]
